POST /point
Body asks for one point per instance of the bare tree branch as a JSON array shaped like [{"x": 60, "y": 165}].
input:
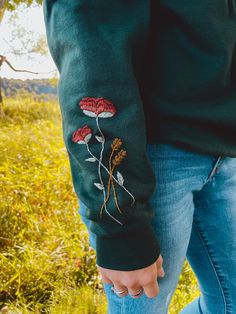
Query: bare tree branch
[{"x": 4, "y": 59}]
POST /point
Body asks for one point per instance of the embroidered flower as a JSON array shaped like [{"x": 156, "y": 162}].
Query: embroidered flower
[
  {"x": 97, "y": 107},
  {"x": 103, "y": 108},
  {"x": 82, "y": 135}
]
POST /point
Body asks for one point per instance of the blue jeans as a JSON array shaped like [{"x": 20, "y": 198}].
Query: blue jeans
[{"x": 195, "y": 217}]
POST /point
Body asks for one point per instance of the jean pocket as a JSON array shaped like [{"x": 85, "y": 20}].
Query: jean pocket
[{"x": 217, "y": 163}]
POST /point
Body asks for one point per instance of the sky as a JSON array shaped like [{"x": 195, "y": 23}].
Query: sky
[{"x": 32, "y": 20}]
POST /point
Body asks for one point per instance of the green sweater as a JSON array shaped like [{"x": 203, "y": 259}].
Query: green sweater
[{"x": 131, "y": 73}]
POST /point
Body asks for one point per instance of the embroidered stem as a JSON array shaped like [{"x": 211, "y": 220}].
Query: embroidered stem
[
  {"x": 116, "y": 144},
  {"x": 112, "y": 176},
  {"x": 100, "y": 160},
  {"x": 112, "y": 217},
  {"x": 111, "y": 182},
  {"x": 104, "y": 195},
  {"x": 115, "y": 196}
]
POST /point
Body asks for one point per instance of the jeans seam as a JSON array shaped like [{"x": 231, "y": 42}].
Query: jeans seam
[
  {"x": 122, "y": 305},
  {"x": 212, "y": 265},
  {"x": 199, "y": 306}
]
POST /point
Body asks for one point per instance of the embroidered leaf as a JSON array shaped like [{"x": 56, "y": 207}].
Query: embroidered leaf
[
  {"x": 99, "y": 138},
  {"x": 99, "y": 186},
  {"x": 120, "y": 178},
  {"x": 92, "y": 159}
]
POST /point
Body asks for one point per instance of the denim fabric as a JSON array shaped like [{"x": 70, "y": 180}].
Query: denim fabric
[{"x": 195, "y": 218}]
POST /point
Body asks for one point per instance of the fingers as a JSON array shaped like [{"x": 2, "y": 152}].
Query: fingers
[
  {"x": 116, "y": 286},
  {"x": 136, "y": 282},
  {"x": 151, "y": 290},
  {"x": 121, "y": 290},
  {"x": 160, "y": 270},
  {"x": 135, "y": 292},
  {"x": 159, "y": 261},
  {"x": 119, "y": 287}
]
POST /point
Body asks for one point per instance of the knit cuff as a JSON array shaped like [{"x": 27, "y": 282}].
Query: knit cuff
[{"x": 129, "y": 252}]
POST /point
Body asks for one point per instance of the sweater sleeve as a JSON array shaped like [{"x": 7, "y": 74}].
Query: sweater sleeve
[{"x": 98, "y": 47}]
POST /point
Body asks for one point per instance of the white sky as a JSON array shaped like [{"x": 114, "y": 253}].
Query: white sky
[{"x": 32, "y": 20}]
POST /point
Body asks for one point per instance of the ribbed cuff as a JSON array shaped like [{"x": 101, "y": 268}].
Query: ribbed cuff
[{"x": 129, "y": 252}]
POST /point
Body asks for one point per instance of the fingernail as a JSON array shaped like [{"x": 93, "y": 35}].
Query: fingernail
[{"x": 162, "y": 273}]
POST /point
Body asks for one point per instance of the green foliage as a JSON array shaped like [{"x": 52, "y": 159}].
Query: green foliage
[
  {"x": 12, "y": 5},
  {"x": 22, "y": 40},
  {"x": 47, "y": 265}
]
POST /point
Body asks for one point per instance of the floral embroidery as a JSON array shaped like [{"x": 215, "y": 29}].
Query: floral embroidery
[
  {"x": 82, "y": 135},
  {"x": 97, "y": 107},
  {"x": 103, "y": 108}
]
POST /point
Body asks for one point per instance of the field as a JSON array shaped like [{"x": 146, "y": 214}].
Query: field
[{"x": 46, "y": 263}]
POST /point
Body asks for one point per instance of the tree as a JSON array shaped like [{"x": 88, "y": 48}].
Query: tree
[
  {"x": 3, "y": 59},
  {"x": 13, "y": 4},
  {"x": 28, "y": 45},
  {"x": 23, "y": 41}
]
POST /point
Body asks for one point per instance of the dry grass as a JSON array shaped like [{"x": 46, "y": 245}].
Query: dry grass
[{"x": 45, "y": 261}]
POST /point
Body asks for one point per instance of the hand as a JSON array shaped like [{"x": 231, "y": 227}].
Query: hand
[{"x": 134, "y": 280}]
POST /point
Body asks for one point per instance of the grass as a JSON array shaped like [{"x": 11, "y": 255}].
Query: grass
[{"x": 46, "y": 263}]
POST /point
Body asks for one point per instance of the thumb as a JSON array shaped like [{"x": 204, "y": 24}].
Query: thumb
[{"x": 151, "y": 290}]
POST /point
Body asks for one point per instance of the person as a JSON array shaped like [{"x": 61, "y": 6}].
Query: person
[{"x": 147, "y": 93}]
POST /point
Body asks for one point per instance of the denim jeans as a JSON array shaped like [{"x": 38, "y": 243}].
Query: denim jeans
[{"x": 195, "y": 218}]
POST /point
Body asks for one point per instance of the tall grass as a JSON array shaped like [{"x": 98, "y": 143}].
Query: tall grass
[
  {"x": 44, "y": 252},
  {"x": 46, "y": 264}
]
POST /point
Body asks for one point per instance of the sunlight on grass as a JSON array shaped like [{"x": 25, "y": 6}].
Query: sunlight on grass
[{"x": 46, "y": 263}]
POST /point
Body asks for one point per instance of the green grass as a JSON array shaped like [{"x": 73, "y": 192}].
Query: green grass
[{"x": 46, "y": 264}]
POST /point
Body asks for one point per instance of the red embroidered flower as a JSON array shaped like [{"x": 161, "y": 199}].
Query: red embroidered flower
[
  {"x": 82, "y": 135},
  {"x": 97, "y": 107}
]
